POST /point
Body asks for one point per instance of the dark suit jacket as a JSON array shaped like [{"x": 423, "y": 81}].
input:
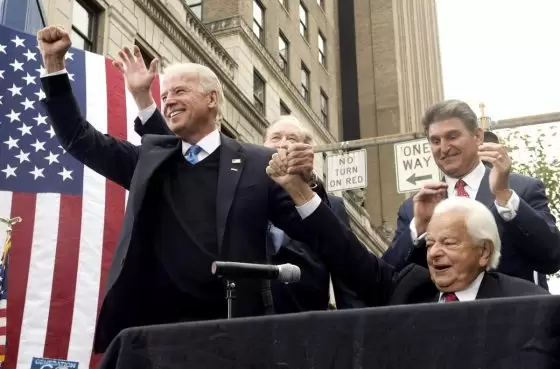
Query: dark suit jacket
[
  {"x": 312, "y": 291},
  {"x": 378, "y": 283},
  {"x": 530, "y": 242},
  {"x": 247, "y": 200}
]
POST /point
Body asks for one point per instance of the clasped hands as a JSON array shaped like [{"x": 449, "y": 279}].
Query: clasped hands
[{"x": 292, "y": 167}]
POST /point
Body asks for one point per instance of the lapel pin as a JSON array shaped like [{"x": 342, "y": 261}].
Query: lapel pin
[
  {"x": 234, "y": 169},
  {"x": 236, "y": 161}
]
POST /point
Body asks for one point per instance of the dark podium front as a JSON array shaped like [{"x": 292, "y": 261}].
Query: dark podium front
[{"x": 502, "y": 333}]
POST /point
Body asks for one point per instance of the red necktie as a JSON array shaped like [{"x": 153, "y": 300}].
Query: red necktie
[
  {"x": 460, "y": 188},
  {"x": 450, "y": 297}
]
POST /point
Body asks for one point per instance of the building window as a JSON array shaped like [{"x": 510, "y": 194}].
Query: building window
[
  {"x": 321, "y": 4},
  {"x": 322, "y": 49},
  {"x": 259, "y": 87},
  {"x": 303, "y": 21},
  {"x": 324, "y": 109},
  {"x": 283, "y": 52},
  {"x": 84, "y": 26},
  {"x": 196, "y": 7},
  {"x": 258, "y": 20},
  {"x": 146, "y": 55},
  {"x": 304, "y": 82},
  {"x": 284, "y": 110}
]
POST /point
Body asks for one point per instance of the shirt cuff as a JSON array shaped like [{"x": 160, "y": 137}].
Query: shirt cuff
[
  {"x": 309, "y": 207},
  {"x": 147, "y": 113},
  {"x": 62, "y": 71},
  {"x": 509, "y": 211},
  {"x": 414, "y": 234}
]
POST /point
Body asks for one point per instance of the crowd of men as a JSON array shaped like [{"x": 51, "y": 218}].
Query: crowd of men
[{"x": 197, "y": 196}]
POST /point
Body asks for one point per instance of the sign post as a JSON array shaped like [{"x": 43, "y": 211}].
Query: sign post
[
  {"x": 347, "y": 171},
  {"x": 414, "y": 165}
]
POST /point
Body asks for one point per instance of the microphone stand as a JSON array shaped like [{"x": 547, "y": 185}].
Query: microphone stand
[{"x": 230, "y": 295}]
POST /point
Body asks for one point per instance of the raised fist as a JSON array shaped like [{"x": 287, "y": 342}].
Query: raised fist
[{"x": 54, "y": 42}]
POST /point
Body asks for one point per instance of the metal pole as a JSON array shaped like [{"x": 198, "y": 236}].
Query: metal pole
[{"x": 402, "y": 137}]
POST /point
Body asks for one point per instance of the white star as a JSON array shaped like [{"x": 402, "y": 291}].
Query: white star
[
  {"x": 28, "y": 104},
  {"x": 52, "y": 158},
  {"x": 37, "y": 172},
  {"x": 38, "y": 145},
  {"x": 50, "y": 131},
  {"x": 30, "y": 55},
  {"x": 25, "y": 129},
  {"x": 9, "y": 171},
  {"x": 69, "y": 56},
  {"x": 17, "y": 65},
  {"x": 13, "y": 116},
  {"x": 40, "y": 95},
  {"x": 66, "y": 174},
  {"x": 2, "y": 74},
  {"x": 15, "y": 90},
  {"x": 23, "y": 156},
  {"x": 71, "y": 76},
  {"x": 2, "y": 48},
  {"x": 1, "y": 99},
  {"x": 18, "y": 41},
  {"x": 29, "y": 79},
  {"x": 40, "y": 119},
  {"x": 12, "y": 143},
  {"x": 62, "y": 149},
  {"x": 41, "y": 71}
]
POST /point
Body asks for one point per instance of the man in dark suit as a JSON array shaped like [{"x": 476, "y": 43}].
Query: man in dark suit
[
  {"x": 462, "y": 242},
  {"x": 312, "y": 291},
  {"x": 530, "y": 238},
  {"x": 195, "y": 197}
]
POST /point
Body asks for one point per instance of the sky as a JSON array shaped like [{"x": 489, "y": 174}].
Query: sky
[{"x": 504, "y": 53}]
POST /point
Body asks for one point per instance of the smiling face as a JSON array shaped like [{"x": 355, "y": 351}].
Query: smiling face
[
  {"x": 454, "y": 258},
  {"x": 190, "y": 112},
  {"x": 454, "y": 147},
  {"x": 283, "y": 132}
]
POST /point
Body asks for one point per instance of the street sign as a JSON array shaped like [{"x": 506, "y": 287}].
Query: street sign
[
  {"x": 414, "y": 165},
  {"x": 347, "y": 171}
]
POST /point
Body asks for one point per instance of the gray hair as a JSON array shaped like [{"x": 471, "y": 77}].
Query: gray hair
[
  {"x": 305, "y": 133},
  {"x": 449, "y": 109},
  {"x": 208, "y": 80},
  {"x": 480, "y": 223}
]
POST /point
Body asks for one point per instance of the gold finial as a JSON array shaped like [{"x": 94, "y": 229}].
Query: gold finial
[{"x": 482, "y": 115}]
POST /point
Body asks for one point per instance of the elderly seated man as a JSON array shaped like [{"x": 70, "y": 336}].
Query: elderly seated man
[{"x": 463, "y": 247}]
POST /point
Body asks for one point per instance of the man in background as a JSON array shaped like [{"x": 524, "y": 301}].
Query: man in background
[{"x": 529, "y": 236}]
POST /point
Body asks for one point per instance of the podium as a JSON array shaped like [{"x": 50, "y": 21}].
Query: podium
[{"x": 501, "y": 333}]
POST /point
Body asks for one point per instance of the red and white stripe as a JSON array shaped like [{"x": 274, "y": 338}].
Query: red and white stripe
[{"x": 62, "y": 250}]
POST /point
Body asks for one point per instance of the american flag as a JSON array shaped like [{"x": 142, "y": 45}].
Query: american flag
[{"x": 72, "y": 216}]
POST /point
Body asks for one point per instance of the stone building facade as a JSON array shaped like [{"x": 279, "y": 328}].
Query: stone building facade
[{"x": 273, "y": 57}]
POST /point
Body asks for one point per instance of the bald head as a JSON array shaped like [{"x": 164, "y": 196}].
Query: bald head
[{"x": 284, "y": 130}]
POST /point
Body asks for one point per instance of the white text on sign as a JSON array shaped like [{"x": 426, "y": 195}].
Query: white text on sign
[{"x": 347, "y": 171}]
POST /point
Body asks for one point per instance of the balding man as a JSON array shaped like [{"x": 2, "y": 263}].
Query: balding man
[
  {"x": 463, "y": 246},
  {"x": 195, "y": 197}
]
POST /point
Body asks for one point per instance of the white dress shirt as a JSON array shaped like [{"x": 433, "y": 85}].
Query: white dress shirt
[
  {"x": 469, "y": 293},
  {"x": 472, "y": 184}
]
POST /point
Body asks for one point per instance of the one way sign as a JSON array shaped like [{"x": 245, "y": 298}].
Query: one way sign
[{"x": 414, "y": 165}]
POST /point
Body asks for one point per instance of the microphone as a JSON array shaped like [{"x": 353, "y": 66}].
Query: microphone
[{"x": 287, "y": 273}]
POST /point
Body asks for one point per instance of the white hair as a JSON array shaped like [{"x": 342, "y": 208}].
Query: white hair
[
  {"x": 479, "y": 220},
  {"x": 207, "y": 78},
  {"x": 306, "y": 134}
]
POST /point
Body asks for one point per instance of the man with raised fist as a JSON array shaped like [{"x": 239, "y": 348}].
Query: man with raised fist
[{"x": 195, "y": 197}]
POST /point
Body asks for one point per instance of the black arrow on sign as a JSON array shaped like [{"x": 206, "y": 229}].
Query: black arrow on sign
[{"x": 413, "y": 179}]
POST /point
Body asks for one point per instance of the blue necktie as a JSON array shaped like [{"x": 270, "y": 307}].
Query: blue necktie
[{"x": 192, "y": 154}]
